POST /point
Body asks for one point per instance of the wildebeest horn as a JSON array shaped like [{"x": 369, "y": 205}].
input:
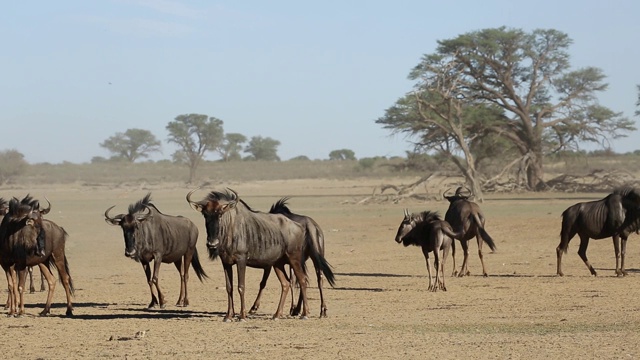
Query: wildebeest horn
[
  {"x": 45, "y": 211},
  {"x": 444, "y": 194},
  {"x": 145, "y": 216},
  {"x": 111, "y": 220},
  {"x": 193, "y": 204},
  {"x": 406, "y": 213}
]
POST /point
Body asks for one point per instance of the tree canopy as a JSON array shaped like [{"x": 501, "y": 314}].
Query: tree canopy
[
  {"x": 342, "y": 154},
  {"x": 265, "y": 149},
  {"x": 232, "y": 146},
  {"x": 195, "y": 134},
  {"x": 12, "y": 164},
  {"x": 522, "y": 85},
  {"x": 132, "y": 145}
]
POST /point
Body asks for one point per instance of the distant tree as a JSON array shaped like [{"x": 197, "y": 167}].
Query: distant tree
[
  {"x": 12, "y": 164},
  {"x": 342, "y": 154},
  {"x": 232, "y": 146},
  {"x": 98, "y": 160},
  {"x": 264, "y": 149},
  {"x": 133, "y": 144},
  {"x": 195, "y": 134},
  {"x": 300, "y": 158}
]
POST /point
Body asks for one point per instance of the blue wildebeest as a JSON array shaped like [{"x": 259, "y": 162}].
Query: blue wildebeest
[
  {"x": 467, "y": 221},
  {"x": 615, "y": 216},
  {"x": 245, "y": 237},
  {"x": 21, "y": 230},
  {"x": 432, "y": 234},
  {"x": 314, "y": 238},
  {"x": 150, "y": 235}
]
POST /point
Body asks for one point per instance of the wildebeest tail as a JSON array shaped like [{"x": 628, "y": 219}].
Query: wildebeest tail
[
  {"x": 483, "y": 233},
  {"x": 321, "y": 263},
  {"x": 50, "y": 263},
  {"x": 197, "y": 267}
]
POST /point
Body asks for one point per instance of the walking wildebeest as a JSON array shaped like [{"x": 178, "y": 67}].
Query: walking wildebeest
[
  {"x": 245, "y": 237},
  {"x": 21, "y": 230},
  {"x": 432, "y": 234},
  {"x": 150, "y": 235},
  {"x": 466, "y": 220},
  {"x": 617, "y": 215},
  {"x": 315, "y": 238}
]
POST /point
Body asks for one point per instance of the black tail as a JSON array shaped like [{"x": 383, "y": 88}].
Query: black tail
[
  {"x": 197, "y": 267},
  {"x": 321, "y": 264},
  {"x": 51, "y": 263},
  {"x": 483, "y": 233}
]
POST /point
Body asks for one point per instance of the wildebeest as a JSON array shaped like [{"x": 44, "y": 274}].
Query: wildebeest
[
  {"x": 241, "y": 236},
  {"x": 432, "y": 234},
  {"x": 466, "y": 220},
  {"x": 21, "y": 230},
  {"x": 150, "y": 235},
  {"x": 617, "y": 215},
  {"x": 315, "y": 238}
]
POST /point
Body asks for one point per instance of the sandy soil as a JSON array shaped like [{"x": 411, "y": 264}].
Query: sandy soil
[{"x": 379, "y": 309}]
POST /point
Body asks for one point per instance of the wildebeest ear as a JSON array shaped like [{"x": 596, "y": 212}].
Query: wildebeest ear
[
  {"x": 196, "y": 206},
  {"x": 228, "y": 206}
]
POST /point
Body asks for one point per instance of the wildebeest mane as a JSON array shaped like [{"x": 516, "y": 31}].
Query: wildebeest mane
[
  {"x": 141, "y": 204},
  {"x": 280, "y": 207},
  {"x": 228, "y": 196}
]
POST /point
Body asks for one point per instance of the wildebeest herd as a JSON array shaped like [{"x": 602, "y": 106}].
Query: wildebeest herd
[{"x": 240, "y": 235}]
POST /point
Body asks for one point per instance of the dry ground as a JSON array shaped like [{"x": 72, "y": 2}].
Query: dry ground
[{"x": 380, "y": 308}]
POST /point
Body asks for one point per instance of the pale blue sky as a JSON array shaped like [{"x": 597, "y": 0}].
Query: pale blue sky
[{"x": 313, "y": 75}]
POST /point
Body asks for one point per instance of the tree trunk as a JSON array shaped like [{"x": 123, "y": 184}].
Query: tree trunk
[
  {"x": 535, "y": 173},
  {"x": 192, "y": 173}
]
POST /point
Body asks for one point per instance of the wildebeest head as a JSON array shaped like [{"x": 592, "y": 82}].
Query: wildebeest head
[
  {"x": 630, "y": 197},
  {"x": 462, "y": 193},
  {"x": 4, "y": 207},
  {"x": 415, "y": 222},
  {"x": 131, "y": 222},
  {"x": 213, "y": 207},
  {"x": 23, "y": 222}
]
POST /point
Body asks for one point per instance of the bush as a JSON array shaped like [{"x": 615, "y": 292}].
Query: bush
[{"x": 12, "y": 164}]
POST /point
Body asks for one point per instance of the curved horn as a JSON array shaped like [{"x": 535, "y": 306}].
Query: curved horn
[
  {"x": 406, "y": 213},
  {"x": 45, "y": 211},
  {"x": 444, "y": 194},
  {"x": 469, "y": 192},
  {"x": 234, "y": 193},
  {"x": 111, "y": 220},
  {"x": 145, "y": 216},
  {"x": 194, "y": 205}
]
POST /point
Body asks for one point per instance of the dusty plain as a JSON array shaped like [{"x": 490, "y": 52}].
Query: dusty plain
[{"x": 380, "y": 307}]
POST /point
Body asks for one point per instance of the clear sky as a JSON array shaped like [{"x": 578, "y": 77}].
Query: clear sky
[{"x": 313, "y": 75}]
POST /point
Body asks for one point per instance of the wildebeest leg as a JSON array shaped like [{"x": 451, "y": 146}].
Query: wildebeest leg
[
  {"x": 42, "y": 281},
  {"x": 479, "y": 239},
  {"x": 156, "y": 274},
  {"x": 284, "y": 285},
  {"x": 188, "y": 257},
  {"x": 51, "y": 282},
  {"x": 623, "y": 251},
  {"x": 298, "y": 269},
  {"x": 180, "y": 266},
  {"x": 465, "y": 250},
  {"x": 566, "y": 234},
  {"x": 32, "y": 289},
  {"x": 241, "y": 267},
  {"x": 228, "y": 278},
  {"x": 445, "y": 254},
  {"x": 582, "y": 252},
  {"x": 263, "y": 284},
  {"x": 11, "y": 285},
  {"x": 425, "y": 252},
  {"x": 619, "y": 255},
  {"x": 147, "y": 272},
  {"x": 22, "y": 279},
  {"x": 63, "y": 275},
  {"x": 453, "y": 255}
]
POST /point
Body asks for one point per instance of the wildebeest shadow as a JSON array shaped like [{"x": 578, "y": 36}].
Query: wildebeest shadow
[
  {"x": 131, "y": 313},
  {"x": 374, "y": 275}
]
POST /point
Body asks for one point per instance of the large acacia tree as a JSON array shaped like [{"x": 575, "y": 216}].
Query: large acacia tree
[
  {"x": 547, "y": 105},
  {"x": 195, "y": 134},
  {"x": 132, "y": 144}
]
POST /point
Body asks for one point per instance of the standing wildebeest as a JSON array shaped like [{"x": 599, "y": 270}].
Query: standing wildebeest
[
  {"x": 314, "y": 238},
  {"x": 432, "y": 234},
  {"x": 21, "y": 230},
  {"x": 150, "y": 235},
  {"x": 244, "y": 237},
  {"x": 467, "y": 221},
  {"x": 616, "y": 216}
]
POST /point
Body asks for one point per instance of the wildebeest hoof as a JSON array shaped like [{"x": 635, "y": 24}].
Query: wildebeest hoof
[
  {"x": 227, "y": 320},
  {"x": 304, "y": 317}
]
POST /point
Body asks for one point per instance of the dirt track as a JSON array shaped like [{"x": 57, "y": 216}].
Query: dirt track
[{"x": 379, "y": 309}]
